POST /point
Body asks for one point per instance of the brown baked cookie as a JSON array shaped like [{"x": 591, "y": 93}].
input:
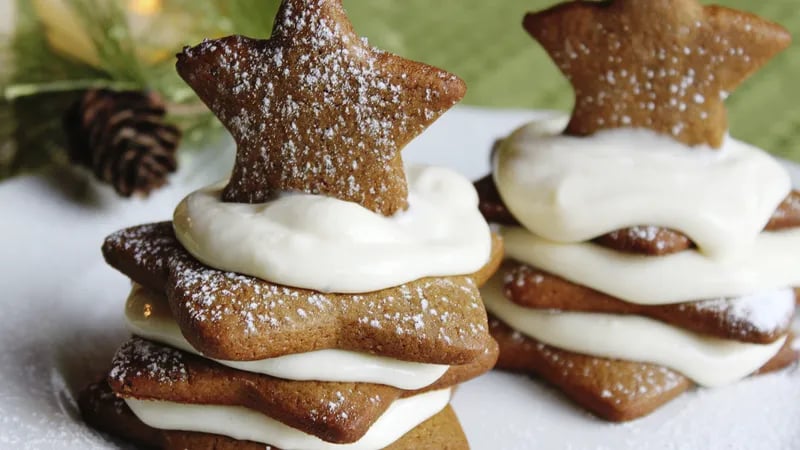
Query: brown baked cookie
[
  {"x": 103, "y": 410},
  {"x": 657, "y": 241},
  {"x": 788, "y": 214},
  {"x": 496, "y": 257},
  {"x": 665, "y": 65},
  {"x": 333, "y": 411},
  {"x": 235, "y": 317},
  {"x": 490, "y": 203},
  {"x": 534, "y": 288},
  {"x": 316, "y": 109},
  {"x": 646, "y": 240},
  {"x": 788, "y": 355},
  {"x": 612, "y": 389}
]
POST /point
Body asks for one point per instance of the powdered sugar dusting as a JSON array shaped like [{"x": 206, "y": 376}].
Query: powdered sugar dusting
[
  {"x": 519, "y": 276},
  {"x": 764, "y": 312},
  {"x": 620, "y": 385},
  {"x": 138, "y": 357},
  {"x": 788, "y": 209},
  {"x": 672, "y": 81},
  {"x": 316, "y": 108},
  {"x": 260, "y": 307},
  {"x": 758, "y": 318},
  {"x": 147, "y": 243},
  {"x": 435, "y": 312},
  {"x": 647, "y": 233},
  {"x": 337, "y": 406}
]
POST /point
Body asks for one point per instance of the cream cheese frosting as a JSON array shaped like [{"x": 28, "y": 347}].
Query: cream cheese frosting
[
  {"x": 706, "y": 360},
  {"x": 248, "y": 425},
  {"x": 329, "y": 245},
  {"x": 770, "y": 263},
  {"x": 147, "y": 315},
  {"x": 571, "y": 189}
]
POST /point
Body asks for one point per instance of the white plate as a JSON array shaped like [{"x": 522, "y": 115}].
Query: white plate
[{"x": 62, "y": 320}]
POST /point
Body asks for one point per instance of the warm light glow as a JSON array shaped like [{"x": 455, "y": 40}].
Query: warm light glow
[
  {"x": 148, "y": 310},
  {"x": 145, "y": 7}
]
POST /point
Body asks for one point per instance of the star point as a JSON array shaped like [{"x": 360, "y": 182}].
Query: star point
[
  {"x": 665, "y": 65},
  {"x": 315, "y": 109}
]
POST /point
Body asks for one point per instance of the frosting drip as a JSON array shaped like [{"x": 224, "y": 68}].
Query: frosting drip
[{"x": 147, "y": 315}]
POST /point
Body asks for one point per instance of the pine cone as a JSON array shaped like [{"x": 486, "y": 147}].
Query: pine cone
[{"x": 123, "y": 139}]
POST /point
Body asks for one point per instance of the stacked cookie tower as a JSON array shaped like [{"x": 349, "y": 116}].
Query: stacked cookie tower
[
  {"x": 323, "y": 297},
  {"x": 648, "y": 250}
]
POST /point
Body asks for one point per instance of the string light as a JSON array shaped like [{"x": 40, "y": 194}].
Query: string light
[{"x": 145, "y": 7}]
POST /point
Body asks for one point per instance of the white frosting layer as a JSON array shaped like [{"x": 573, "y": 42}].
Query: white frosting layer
[
  {"x": 773, "y": 261},
  {"x": 572, "y": 189},
  {"x": 245, "y": 424},
  {"x": 330, "y": 245},
  {"x": 706, "y": 360},
  {"x": 148, "y": 315}
]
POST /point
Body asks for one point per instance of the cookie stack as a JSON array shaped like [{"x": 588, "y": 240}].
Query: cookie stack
[
  {"x": 647, "y": 249},
  {"x": 325, "y": 296}
]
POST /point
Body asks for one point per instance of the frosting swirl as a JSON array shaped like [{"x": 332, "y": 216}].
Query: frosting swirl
[
  {"x": 571, "y": 189},
  {"x": 330, "y": 245}
]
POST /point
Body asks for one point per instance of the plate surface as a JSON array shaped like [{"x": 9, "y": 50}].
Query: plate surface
[{"x": 62, "y": 321}]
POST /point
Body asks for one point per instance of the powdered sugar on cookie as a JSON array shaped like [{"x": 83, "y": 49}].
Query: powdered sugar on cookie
[
  {"x": 763, "y": 312},
  {"x": 316, "y": 109},
  {"x": 161, "y": 363},
  {"x": 236, "y": 317}
]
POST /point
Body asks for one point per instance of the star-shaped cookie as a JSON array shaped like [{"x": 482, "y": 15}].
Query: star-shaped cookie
[
  {"x": 724, "y": 318},
  {"x": 230, "y": 316},
  {"x": 342, "y": 412},
  {"x": 665, "y": 65},
  {"x": 102, "y": 409},
  {"x": 315, "y": 109},
  {"x": 613, "y": 389}
]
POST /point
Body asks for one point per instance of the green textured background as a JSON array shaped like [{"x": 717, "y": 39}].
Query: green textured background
[{"x": 483, "y": 42}]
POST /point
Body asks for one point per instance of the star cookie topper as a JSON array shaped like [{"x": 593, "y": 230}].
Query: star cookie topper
[
  {"x": 315, "y": 109},
  {"x": 665, "y": 65}
]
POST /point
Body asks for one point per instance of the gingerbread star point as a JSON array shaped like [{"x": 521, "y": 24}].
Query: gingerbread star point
[
  {"x": 665, "y": 65},
  {"x": 315, "y": 109}
]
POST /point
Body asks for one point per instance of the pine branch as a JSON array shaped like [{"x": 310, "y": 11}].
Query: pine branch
[
  {"x": 38, "y": 81},
  {"x": 107, "y": 26}
]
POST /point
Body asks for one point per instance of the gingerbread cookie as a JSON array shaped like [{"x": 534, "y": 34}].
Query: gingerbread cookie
[
  {"x": 759, "y": 320},
  {"x": 788, "y": 214},
  {"x": 666, "y": 67},
  {"x": 614, "y": 390},
  {"x": 316, "y": 109},
  {"x": 105, "y": 411},
  {"x": 145, "y": 370},
  {"x": 278, "y": 320}
]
